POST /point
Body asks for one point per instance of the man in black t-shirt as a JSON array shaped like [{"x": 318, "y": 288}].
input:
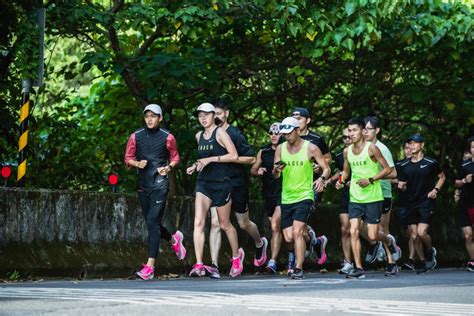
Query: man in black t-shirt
[
  {"x": 422, "y": 178},
  {"x": 402, "y": 208},
  {"x": 465, "y": 182}
]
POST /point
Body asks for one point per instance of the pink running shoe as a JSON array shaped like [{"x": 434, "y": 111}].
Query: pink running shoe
[
  {"x": 178, "y": 247},
  {"x": 323, "y": 240},
  {"x": 237, "y": 264},
  {"x": 146, "y": 273},
  {"x": 198, "y": 270},
  {"x": 263, "y": 257}
]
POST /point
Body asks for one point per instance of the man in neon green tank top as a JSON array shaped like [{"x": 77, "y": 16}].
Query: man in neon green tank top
[
  {"x": 294, "y": 161},
  {"x": 361, "y": 160}
]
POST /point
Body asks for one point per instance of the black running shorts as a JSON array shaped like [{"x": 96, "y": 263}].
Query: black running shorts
[
  {"x": 217, "y": 191},
  {"x": 387, "y": 205},
  {"x": 299, "y": 211},
  {"x": 271, "y": 204},
  {"x": 420, "y": 212},
  {"x": 368, "y": 212}
]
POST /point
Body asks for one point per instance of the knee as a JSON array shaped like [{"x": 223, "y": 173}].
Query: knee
[
  {"x": 372, "y": 236},
  {"x": 345, "y": 231},
  {"x": 215, "y": 223},
  {"x": 243, "y": 223},
  {"x": 199, "y": 224},
  {"x": 275, "y": 224},
  {"x": 354, "y": 232},
  {"x": 468, "y": 236},
  {"x": 413, "y": 235},
  {"x": 288, "y": 237},
  {"x": 225, "y": 225}
]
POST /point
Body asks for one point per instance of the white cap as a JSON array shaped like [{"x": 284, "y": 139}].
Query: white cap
[
  {"x": 155, "y": 108},
  {"x": 205, "y": 107},
  {"x": 288, "y": 125},
  {"x": 274, "y": 128}
]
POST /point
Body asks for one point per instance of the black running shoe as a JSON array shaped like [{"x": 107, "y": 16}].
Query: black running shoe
[
  {"x": 422, "y": 268},
  {"x": 372, "y": 253},
  {"x": 409, "y": 265},
  {"x": 298, "y": 274},
  {"x": 392, "y": 270},
  {"x": 357, "y": 273}
]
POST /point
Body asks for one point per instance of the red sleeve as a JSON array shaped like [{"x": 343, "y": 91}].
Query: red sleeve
[
  {"x": 130, "y": 151},
  {"x": 172, "y": 148}
]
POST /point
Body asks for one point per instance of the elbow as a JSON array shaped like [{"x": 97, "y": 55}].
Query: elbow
[{"x": 233, "y": 157}]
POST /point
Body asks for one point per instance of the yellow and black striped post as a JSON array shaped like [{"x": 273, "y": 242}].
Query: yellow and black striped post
[{"x": 23, "y": 141}]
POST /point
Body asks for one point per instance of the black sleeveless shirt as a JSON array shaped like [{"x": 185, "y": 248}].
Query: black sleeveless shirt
[
  {"x": 211, "y": 148},
  {"x": 271, "y": 185}
]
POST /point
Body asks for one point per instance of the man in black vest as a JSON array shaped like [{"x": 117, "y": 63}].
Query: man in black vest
[{"x": 152, "y": 150}]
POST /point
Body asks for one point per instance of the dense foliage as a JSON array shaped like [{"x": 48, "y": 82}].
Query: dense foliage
[{"x": 408, "y": 62}]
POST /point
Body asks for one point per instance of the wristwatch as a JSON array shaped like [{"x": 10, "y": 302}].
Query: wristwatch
[{"x": 371, "y": 180}]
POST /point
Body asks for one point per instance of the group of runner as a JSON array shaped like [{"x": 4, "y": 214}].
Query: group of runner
[{"x": 295, "y": 170}]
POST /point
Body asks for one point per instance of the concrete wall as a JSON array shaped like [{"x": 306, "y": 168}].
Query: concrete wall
[{"x": 85, "y": 234}]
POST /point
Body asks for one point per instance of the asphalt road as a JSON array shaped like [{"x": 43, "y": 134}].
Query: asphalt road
[{"x": 441, "y": 292}]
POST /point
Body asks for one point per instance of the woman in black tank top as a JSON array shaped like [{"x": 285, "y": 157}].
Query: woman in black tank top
[{"x": 215, "y": 149}]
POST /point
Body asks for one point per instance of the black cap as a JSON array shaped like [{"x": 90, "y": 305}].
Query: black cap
[
  {"x": 301, "y": 112},
  {"x": 416, "y": 138}
]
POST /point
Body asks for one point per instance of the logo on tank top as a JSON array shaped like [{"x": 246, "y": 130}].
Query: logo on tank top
[
  {"x": 295, "y": 163},
  {"x": 206, "y": 147},
  {"x": 358, "y": 163}
]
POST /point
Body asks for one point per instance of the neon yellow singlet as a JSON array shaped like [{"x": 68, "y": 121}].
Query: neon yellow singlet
[
  {"x": 363, "y": 167},
  {"x": 297, "y": 182}
]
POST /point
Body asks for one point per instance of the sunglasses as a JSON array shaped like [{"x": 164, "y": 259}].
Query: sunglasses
[
  {"x": 273, "y": 133},
  {"x": 288, "y": 126},
  {"x": 346, "y": 137}
]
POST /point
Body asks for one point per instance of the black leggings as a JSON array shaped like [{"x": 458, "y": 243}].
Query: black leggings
[{"x": 153, "y": 206}]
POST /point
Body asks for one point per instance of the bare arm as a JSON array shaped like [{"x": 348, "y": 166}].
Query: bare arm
[
  {"x": 377, "y": 155},
  {"x": 439, "y": 184},
  {"x": 255, "y": 170},
  {"x": 460, "y": 182}
]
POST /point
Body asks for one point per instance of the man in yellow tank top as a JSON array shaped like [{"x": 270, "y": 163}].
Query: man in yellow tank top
[
  {"x": 294, "y": 161},
  {"x": 361, "y": 161}
]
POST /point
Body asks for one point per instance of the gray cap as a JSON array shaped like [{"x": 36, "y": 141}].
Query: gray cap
[{"x": 155, "y": 108}]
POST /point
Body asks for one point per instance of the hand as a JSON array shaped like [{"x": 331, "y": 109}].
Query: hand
[
  {"x": 457, "y": 195},
  {"x": 192, "y": 169},
  {"x": 348, "y": 184},
  {"x": 327, "y": 182},
  {"x": 142, "y": 164},
  {"x": 318, "y": 185},
  {"x": 279, "y": 168},
  {"x": 433, "y": 194},
  {"x": 363, "y": 182},
  {"x": 316, "y": 168},
  {"x": 163, "y": 171},
  {"x": 202, "y": 163},
  {"x": 261, "y": 171},
  {"x": 402, "y": 186},
  {"x": 468, "y": 178},
  {"x": 339, "y": 185}
]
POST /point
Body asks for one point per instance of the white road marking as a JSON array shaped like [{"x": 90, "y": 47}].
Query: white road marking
[{"x": 153, "y": 297}]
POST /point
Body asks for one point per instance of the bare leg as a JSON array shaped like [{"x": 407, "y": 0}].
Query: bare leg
[
  {"x": 355, "y": 241},
  {"x": 275, "y": 221},
  {"x": 250, "y": 227},
  {"x": 223, "y": 213},
  {"x": 215, "y": 237},
  {"x": 467, "y": 231},
  {"x": 202, "y": 204},
  {"x": 345, "y": 236},
  {"x": 299, "y": 233}
]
